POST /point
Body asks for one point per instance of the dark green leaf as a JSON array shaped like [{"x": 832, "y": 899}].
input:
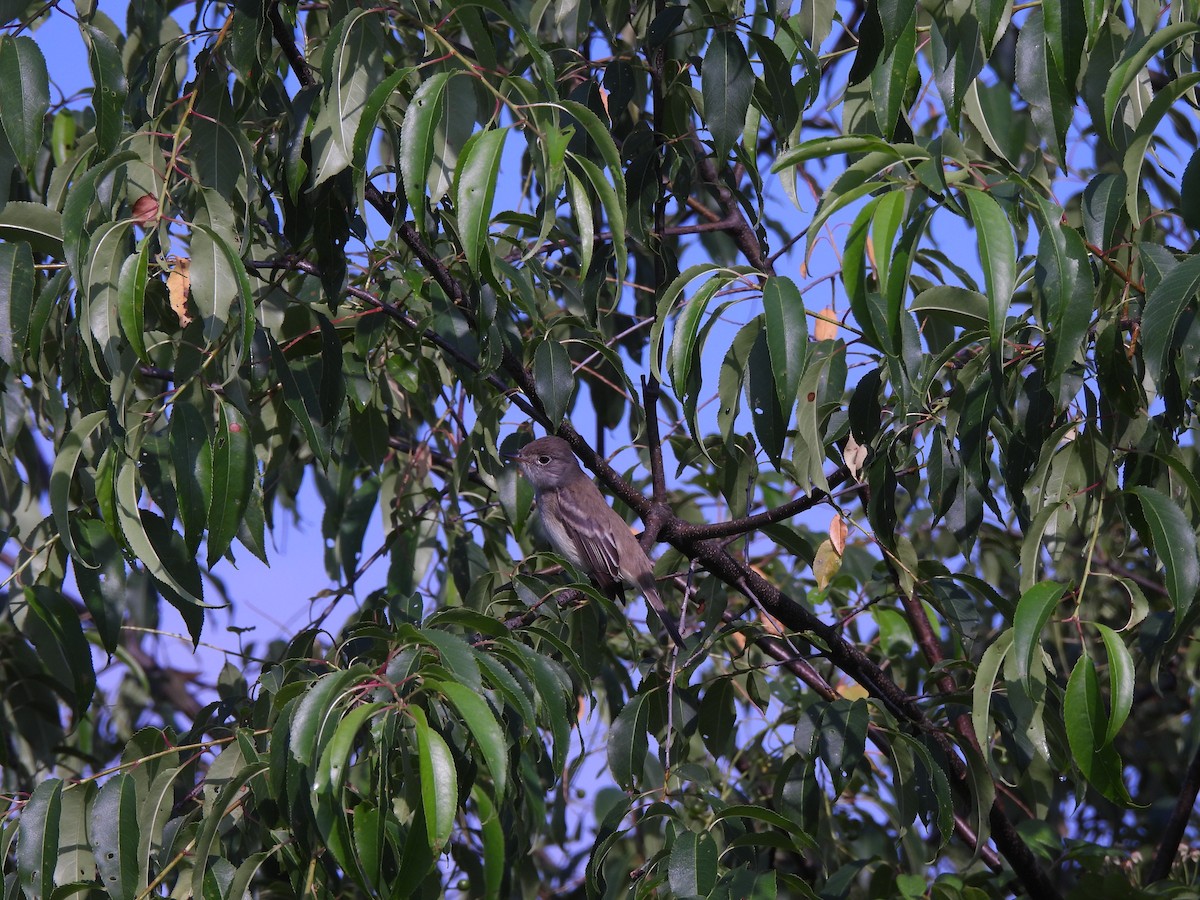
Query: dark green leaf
[
  {"x": 727, "y": 83},
  {"x": 787, "y": 338},
  {"x": 37, "y": 225},
  {"x": 25, "y": 99},
  {"x": 64, "y": 642},
  {"x": 16, "y": 299},
  {"x": 1161, "y": 315},
  {"x": 1033, "y": 612},
  {"x": 1189, "y": 193},
  {"x": 1175, "y": 543},
  {"x": 1042, "y": 86},
  {"x": 555, "y": 380},
  {"x": 628, "y": 743},
  {"x": 1064, "y": 276},
  {"x": 111, "y": 88},
  {"x": 1120, "y": 681},
  {"x": 191, "y": 461},
  {"x": 692, "y": 866},
  {"x": 998, "y": 254},
  {"x": 233, "y": 470},
  {"x": 38, "y": 839},
  {"x": 115, "y": 833}
]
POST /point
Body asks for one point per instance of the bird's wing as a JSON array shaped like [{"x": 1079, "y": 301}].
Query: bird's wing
[{"x": 593, "y": 535}]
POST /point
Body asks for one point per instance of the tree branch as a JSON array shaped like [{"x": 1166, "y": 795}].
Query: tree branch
[{"x": 1168, "y": 845}]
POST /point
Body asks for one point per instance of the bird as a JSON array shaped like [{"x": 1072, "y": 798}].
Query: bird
[{"x": 582, "y": 526}]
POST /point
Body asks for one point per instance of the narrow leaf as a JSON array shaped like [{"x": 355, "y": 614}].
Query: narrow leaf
[
  {"x": 25, "y": 99},
  {"x": 1033, "y": 612},
  {"x": 1175, "y": 543},
  {"x": 787, "y": 338},
  {"x": 475, "y": 189},
  {"x": 439, "y": 781},
  {"x": 998, "y": 254},
  {"x": 115, "y": 834},
  {"x": 727, "y": 83}
]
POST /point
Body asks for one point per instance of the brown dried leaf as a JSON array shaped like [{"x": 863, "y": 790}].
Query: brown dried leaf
[
  {"x": 145, "y": 210},
  {"x": 178, "y": 284},
  {"x": 854, "y": 456},
  {"x": 826, "y": 327},
  {"x": 837, "y": 533}
]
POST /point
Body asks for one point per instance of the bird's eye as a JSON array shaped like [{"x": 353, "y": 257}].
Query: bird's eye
[{"x": 544, "y": 460}]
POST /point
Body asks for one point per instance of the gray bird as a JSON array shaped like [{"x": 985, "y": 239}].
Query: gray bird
[{"x": 583, "y": 527}]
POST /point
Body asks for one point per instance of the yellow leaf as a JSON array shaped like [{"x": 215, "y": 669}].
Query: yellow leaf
[
  {"x": 826, "y": 564},
  {"x": 178, "y": 284},
  {"x": 826, "y": 327}
]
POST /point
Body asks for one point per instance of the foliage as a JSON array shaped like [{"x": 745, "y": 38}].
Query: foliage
[{"x": 361, "y": 246}]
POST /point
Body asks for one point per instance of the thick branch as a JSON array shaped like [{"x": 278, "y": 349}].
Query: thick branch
[{"x": 1168, "y": 846}]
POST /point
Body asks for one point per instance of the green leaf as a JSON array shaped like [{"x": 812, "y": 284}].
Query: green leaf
[
  {"x": 1132, "y": 62},
  {"x": 612, "y": 201},
  {"x": 1064, "y": 276},
  {"x": 436, "y": 125},
  {"x": 316, "y": 717},
  {"x": 16, "y": 300},
  {"x": 1120, "y": 681},
  {"x": 233, "y": 470},
  {"x": 65, "y": 632},
  {"x": 628, "y": 743},
  {"x": 1175, "y": 543},
  {"x": 555, "y": 379},
  {"x": 787, "y": 338},
  {"x": 1189, "y": 193},
  {"x": 352, "y": 65},
  {"x": 131, "y": 298},
  {"x": 853, "y": 144},
  {"x": 217, "y": 279},
  {"x": 192, "y": 464},
  {"x": 63, "y": 473},
  {"x": 985, "y": 681},
  {"x": 958, "y": 306},
  {"x": 302, "y": 400},
  {"x": 76, "y": 861},
  {"x": 81, "y": 214},
  {"x": 1138, "y": 151},
  {"x": 115, "y": 834},
  {"x": 889, "y": 81},
  {"x": 111, "y": 88},
  {"x": 129, "y": 516},
  {"x": 998, "y": 254},
  {"x": 228, "y": 799},
  {"x": 1164, "y": 307},
  {"x": 491, "y": 829},
  {"x": 35, "y": 224},
  {"x": 484, "y": 727},
  {"x": 1103, "y": 210},
  {"x": 439, "y": 781},
  {"x": 475, "y": 190},
  {"x": 1033, "y": 612},
  {"x": 38, "y": 839},
  {"x": 1042, "y": 86},
  {"x": 727, "y": 83},
  {"x": 332, "y": 769},
  {"x": 1083, "y": 714},
  {"x": 692, "y": 865},
  {"x": 25, "y": 100},
  {"x": 762, "y": 394},
  {"x": 1066, "y": 31}
]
